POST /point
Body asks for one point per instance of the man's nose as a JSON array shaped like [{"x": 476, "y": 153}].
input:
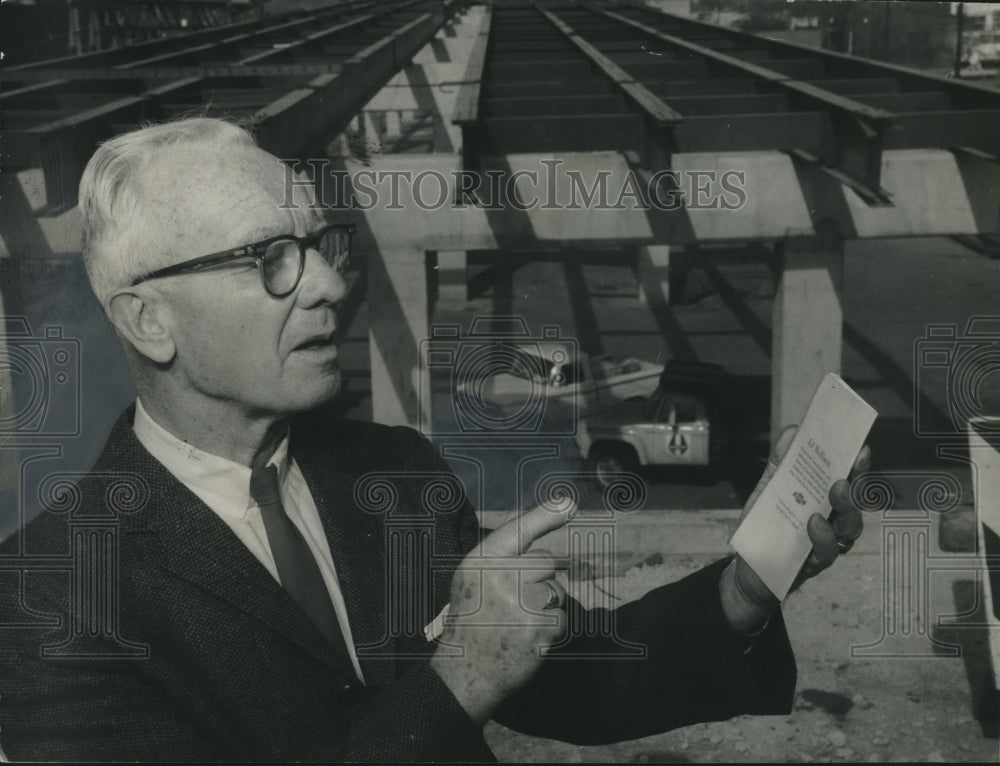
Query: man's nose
[{"x": 321, "y": 282}]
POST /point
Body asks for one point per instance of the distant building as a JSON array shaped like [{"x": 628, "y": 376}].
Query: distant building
[
  {"x": 913, "y": 34},
  {"x": 97, "y": 26},
  {"x": 916, "y": 34},
  {"x": 40, "y": 29},
  {"x": 981, "y": 38},
  {"x": 987, "y": 13}
]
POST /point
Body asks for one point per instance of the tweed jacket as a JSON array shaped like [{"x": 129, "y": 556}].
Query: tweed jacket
[{"x": 140, "y": 628}]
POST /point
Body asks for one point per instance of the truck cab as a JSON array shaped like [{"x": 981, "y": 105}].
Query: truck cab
[{"x": 694, "y": 410}]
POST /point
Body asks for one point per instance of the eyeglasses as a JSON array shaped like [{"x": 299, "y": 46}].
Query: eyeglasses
[{"x": 280, "y": 260}]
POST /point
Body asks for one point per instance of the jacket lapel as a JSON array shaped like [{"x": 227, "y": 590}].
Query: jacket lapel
[{"x": 197, "y": 546}]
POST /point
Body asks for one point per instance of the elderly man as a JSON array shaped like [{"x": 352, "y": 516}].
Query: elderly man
[{"x": 249, "y": 614}]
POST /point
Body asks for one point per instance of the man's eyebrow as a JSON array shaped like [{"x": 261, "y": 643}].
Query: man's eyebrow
[
  {"x": 259, "y": 233},
  {"x": 315, "y": 227},
  {"x": 316, "y": 219}
]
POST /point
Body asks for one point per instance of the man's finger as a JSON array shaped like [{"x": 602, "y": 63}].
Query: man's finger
[
  {"x": 542, "y": 553},
  {"x": 782, "y": 443},
  {"x": 517, "y": 535},
  {"x": 824, "y": 542},
  {"x": 539, "y": 557},
  {"x": 542, "y": 567},
  {"x": 862, "y": 463},
  {"x": 846, "y": 518}
]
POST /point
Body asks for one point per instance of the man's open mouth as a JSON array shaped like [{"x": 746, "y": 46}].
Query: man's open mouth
[{"x": 323, "y": 341}]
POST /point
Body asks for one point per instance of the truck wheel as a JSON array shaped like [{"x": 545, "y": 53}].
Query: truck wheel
[{"x": 610, "y": 460}]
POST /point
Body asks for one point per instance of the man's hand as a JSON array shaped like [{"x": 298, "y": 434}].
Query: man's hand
[
  {"x": 746, "y": 601},
  {"x": 502, "y": 614}
]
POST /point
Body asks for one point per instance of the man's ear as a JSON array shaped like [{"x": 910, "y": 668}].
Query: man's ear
[{"x": 139, "y": 319}]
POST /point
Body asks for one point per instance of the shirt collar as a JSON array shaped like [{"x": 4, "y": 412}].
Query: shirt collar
[{"x": 223, "y": 480}]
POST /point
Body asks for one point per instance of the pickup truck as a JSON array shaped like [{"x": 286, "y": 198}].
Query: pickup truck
[{"x": 696, "y": 412}]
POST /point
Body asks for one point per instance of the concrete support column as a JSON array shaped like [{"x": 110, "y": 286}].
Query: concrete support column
[
  {"x": 808, "y": 323},
  {"x": 653, "y": 267},
  {"x": 75, "y": 42},
  {"x": 393, "y": 124},
  {"x": 368, "y": 128},
  {"x": 398, "y": 310},
  {"x": 452, "y": 276}
]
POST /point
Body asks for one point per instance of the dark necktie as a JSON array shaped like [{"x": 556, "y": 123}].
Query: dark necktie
[{"x": 297, "y": 568}]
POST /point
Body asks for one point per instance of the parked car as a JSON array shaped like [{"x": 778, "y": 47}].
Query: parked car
[{"x": 586, "y": 382}]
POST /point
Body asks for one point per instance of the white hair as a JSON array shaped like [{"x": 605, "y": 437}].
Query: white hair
[{"x": 117, "y": 224}]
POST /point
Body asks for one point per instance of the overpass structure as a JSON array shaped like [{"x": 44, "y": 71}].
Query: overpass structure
[
  {"x": 94, "y": 26},
  {"x": 295, "y": 78},
  {"x": 553, "y": 97},
  {"x": 556, "y": 95}
]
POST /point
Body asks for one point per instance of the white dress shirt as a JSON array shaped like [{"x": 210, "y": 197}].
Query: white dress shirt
[{"x": 224, "y": 486}]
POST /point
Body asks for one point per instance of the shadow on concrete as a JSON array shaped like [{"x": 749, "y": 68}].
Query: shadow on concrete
[
  {"x": 587, "y": 329},
  {"x": 440, "y": 50},
  {"x": 836, "y": 704},
  {"x": 497, "y": 277},
  {"x": 758, "y": 331},
  {"x": 670, "y": 328}
]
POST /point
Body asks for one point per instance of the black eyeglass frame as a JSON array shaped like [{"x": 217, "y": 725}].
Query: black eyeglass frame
[{"x": 256, "y": 251}]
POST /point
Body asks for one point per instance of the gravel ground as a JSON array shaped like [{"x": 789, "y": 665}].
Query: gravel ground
[{"x": 845, "y": 710}]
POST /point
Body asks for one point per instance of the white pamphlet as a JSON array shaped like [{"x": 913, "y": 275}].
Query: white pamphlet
[{"x": 772, "y": 538}]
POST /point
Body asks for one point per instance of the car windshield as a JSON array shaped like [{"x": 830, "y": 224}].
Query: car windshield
[
  {"x": 687, "y": 411},
  {"x": 531, "y": 366},
  {"x": 651, "y": 405},
  {"x": 661, "y": 404}
]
